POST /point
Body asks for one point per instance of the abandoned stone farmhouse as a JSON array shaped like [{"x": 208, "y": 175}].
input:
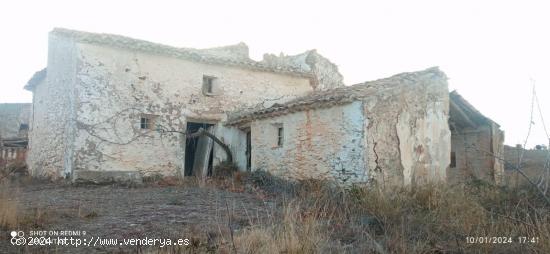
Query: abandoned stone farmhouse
[{"x": 112, "y": 107}]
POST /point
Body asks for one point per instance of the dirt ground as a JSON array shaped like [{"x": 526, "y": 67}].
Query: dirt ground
[{"x": 203, "y": 215}]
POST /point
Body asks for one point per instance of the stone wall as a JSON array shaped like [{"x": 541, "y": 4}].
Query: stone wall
[
  {"x": 238, "y": 51},
  {"x": 472, "y": 149},
  {"x": 401, "y": 123},
  {"x": 477, "y": 143},
  {"x": 12, "y": 116},
  {"x": 497, "y": 146},
  {"x": 326, "y": 73},
  {"x": 324, "y": 143},
  {"x": 408, "y": 136}
]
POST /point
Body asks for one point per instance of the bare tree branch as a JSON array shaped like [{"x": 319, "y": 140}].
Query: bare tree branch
[{"x": 200, "y": 132}]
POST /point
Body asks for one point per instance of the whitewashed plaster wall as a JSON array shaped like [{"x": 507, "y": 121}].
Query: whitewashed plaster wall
[
  {"x": 323, "y": 143},
  {"x": 394, "y": 133},
  {"x": 115, "y": 86},
  {"x": 51, "y": 132}
]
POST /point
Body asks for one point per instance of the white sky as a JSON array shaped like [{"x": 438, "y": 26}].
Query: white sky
[{"x": 489, "y": 49}]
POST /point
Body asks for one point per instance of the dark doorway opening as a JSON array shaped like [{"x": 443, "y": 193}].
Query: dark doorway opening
[
  {"x": 198, "y": 151},
  {"x": 453, "y": 160},
  {"x": 248, "y": 150}
]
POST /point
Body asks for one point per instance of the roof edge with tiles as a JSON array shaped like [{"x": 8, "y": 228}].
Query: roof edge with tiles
[
  {"x": 207, "y": 56},
  {"x": 336, "y": 96}
]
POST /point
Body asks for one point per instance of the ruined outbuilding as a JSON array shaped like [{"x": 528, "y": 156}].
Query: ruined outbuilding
[
  {"x": 14, "y": 122},
  {"x": 113, "y": 107},
  {"x": 392, "y": 131},
  {"x": 477, "y": 144},
  {"x": 14, "y": 126}
]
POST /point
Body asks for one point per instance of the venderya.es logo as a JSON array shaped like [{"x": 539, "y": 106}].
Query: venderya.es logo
[{"x": 18, "y": 238}]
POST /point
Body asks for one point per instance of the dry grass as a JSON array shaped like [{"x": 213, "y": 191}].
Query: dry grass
[
  {"x": 8, "y": 207},
  {"x": 427, "y": 219},
  {"x": 295, "y": 233},
  {"x": 13, "y": 217},
  {"x": 534, "y": 165},
  {"x": 315, "y": 217},
  {"x": 9, "y": 213}
]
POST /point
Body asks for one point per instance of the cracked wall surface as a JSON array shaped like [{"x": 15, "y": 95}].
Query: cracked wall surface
[
  {"x": 408, "y": 136},
  {"x": 400, "y": 121}
]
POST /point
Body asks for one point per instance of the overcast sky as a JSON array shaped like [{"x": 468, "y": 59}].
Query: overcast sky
[{"x": 489, "y": 49}]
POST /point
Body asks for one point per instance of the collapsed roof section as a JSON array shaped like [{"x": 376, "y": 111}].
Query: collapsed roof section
[
  {"x": 326, "y": 73},
  {"x": 463, "y": 115}
]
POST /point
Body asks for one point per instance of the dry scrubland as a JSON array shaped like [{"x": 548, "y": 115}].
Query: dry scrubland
[
  {"x": 258, "y": 213},
  {"x": 534, "y": 164}
]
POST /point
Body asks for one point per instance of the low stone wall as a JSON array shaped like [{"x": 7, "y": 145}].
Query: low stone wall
[{"x": 106, "y": 177}]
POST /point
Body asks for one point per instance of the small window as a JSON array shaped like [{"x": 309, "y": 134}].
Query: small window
[
  {"x": 146, "y": 123},
  {"x": 453, "y": 160},
  {"x": 280, "y": 136},
  {"x": 23, "y": 127},
  {"x": 208, "y": 84}
]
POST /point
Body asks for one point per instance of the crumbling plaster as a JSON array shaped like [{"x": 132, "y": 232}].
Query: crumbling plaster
[
  {"x": 325, "y": 143},
  {"x": 404, "y": 127},
  {"x": 325, "y": 72},
  {"x": 168, "y": 88},
  {"x": 87, "y": 111},
  {"x": 408, "y": 136}
]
